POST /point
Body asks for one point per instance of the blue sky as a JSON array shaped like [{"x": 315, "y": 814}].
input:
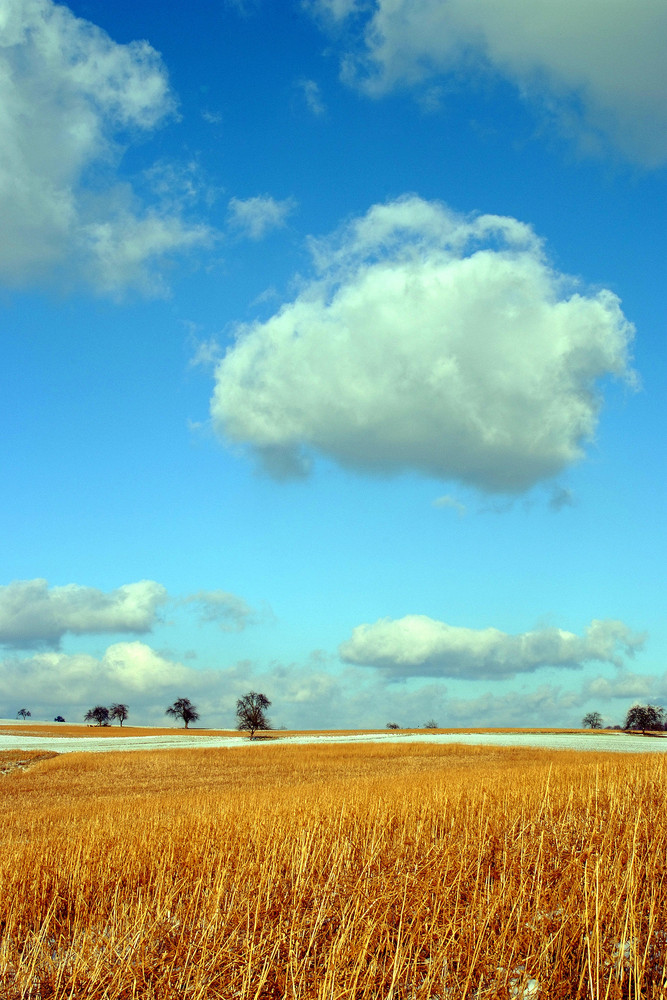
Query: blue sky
[{"x": 333, "y": 359}]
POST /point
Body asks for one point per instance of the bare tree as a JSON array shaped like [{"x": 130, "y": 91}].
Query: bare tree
[
  {"x": 393, "y": 725},
  {"x": 644, "y": 717},
  {"x": 183, "y": 709},
  {"x": 250, "y": 711},
  {"x": 23, "y": 713},
  {"x": 431, "y": 724},
  {"x": 99, "y": 715},
  {"x": 593, "y": 720},
  {"x": 119, "y": 712}
]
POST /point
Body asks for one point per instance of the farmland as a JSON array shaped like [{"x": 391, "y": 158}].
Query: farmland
[{"x": 333, "y": 871}]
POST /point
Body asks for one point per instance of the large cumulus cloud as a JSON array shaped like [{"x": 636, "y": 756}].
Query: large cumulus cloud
[
  {"x": 419, "y": 646},
  {"x": 599, "y": 68},
  {"x": 426, "y": 341},
  {"x": 32, "y": 614},
  {"x": 70, "y": 99}
]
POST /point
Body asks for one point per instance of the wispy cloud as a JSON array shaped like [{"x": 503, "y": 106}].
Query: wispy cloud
[
  {"x": 227, "y": 611},
  {"x": 255, "y": 217},
  {"x": 206, "y": 353},
  {"x": 312, "y": 96},
  {"x": 450, "y": 503},
  {"x": 561, "y": 497}
]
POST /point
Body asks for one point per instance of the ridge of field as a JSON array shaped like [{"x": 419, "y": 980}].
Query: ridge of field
[
  {"x": 75, "y": 730},
  {"x": 402, "y": 871}
]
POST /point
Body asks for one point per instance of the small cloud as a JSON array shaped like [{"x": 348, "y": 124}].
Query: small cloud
[
  {"x": 255, "y": 217},
  {"x": 430, "y": 100},
  {"x": 212, "y": 117},
  {"x": 452, "y": 504},
  {"x": 229, "y": 612},
  {"x": 242, "y": 7},
  {"x": 561, "y": 497},
  {"x": 206, "y": 354},
  {"x": 312, "y": 96}
]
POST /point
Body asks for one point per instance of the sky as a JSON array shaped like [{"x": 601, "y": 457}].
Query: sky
[{"x": 333, "y": 359}]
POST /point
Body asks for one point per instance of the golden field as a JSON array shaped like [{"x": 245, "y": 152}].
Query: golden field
[{"x": 334, "y": 872}]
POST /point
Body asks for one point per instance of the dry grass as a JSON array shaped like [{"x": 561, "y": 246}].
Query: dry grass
[{"x": 399, "y": 872}]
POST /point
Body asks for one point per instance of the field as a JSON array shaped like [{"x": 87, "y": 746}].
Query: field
[{"x": 334, "y": 871}]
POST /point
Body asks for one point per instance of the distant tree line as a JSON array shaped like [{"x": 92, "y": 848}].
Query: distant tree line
[
  {"x": 103, "y": 716},
  {"x": 251, "y": 716},
  {"x": 644, "y": 718}
]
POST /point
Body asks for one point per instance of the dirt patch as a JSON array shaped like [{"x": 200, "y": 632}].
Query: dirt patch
[{"x": 21, "y": 760}]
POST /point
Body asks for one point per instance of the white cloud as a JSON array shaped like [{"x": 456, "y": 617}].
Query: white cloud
[
  {"x": 419, "y": 646},
  {"x": 129, "y": 672},
  {"x": 624, "y": 685},
  {"x": 230, "y": 612},
  {"x": 599, "y": 67},
  {"x": 255, "y": 217},
  {"x": 206, "y": 354},
  {"x": 32, "y": 614},
  {"x": 70, "y": 98},
  {"x": 427, "y": 341},
  {"x": 313, "y": 97}
]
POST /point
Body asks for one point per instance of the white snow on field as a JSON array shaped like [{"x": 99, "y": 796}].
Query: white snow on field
[{"x": 618, "y": 743}]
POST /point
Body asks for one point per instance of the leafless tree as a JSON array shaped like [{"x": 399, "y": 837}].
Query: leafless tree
[
  {"x": 183, "y": 709},
  {"x": 119, "y": 712},
  {"x": 99, "y": 715},
  {"x": 645, "y": 717},
  {"x": 250, "y": 711}
]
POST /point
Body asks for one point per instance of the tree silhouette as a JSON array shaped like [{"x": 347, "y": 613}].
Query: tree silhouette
[
  {"x": 593, "y": 720},
  {"x": 99, "y": 715},
  {"x": 119, "y": 712},
  {"x": 183, "y": 709},
  {"x": 23, "y": 713},
  {"x": 645, "y": 717},
  {"x": 250, "y": 711}
]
